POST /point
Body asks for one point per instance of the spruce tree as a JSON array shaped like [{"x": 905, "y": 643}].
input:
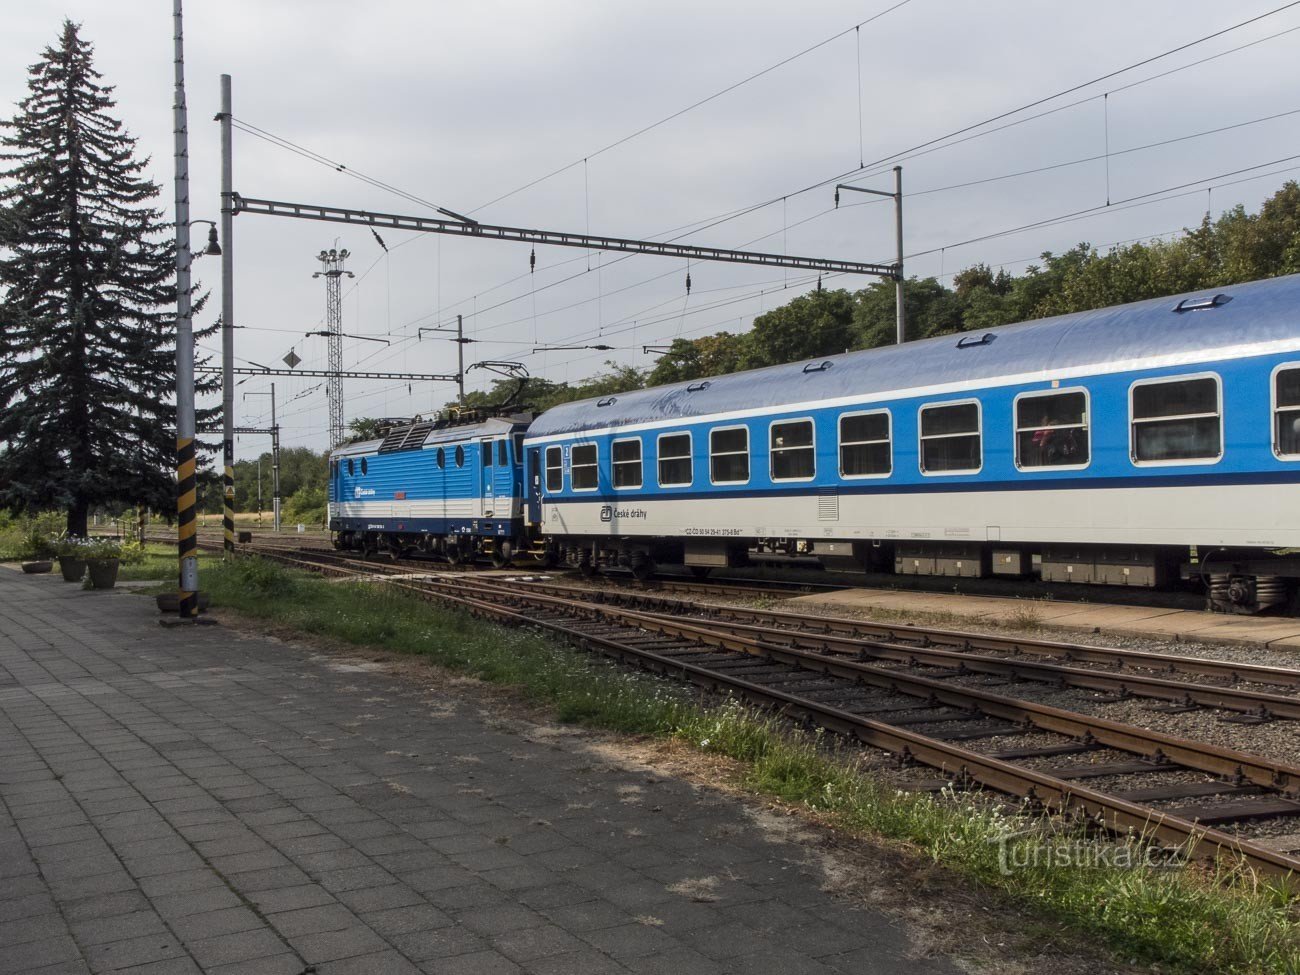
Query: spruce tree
[{"x": 87, "y": 302}]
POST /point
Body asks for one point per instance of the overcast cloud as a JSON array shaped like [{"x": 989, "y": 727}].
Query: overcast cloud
[{"x": 459, "y": 103}]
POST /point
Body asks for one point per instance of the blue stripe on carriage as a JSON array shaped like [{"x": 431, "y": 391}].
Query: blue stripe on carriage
[{"x": 948, "y": 485}]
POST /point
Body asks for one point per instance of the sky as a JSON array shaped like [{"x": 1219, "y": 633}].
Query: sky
[{"x": 463, "y": 105}]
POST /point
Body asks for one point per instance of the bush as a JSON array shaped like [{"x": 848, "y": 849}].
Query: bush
[
  {"x": 307, "y": 505},
  {"x": 29, "y": 538}
]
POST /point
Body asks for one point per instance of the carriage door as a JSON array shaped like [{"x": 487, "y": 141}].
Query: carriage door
[
  {"x": 487, "y": 494},
  {"x": 534, "y": 475}
]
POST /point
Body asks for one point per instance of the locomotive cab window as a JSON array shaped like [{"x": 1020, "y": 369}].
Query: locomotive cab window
[
  {"x": 729, "y": 455},
  {"x": 793, "y": 456},
  {"x": 1176, "y": 420},
  {"x": 554, "y": 470},
  {"x": 1286, "y": 412},
  {"x": 864, "y": 445},
  {"x": 1052, "y": 429},
  {"x": 627, "y": 463},
  {"x": 675, "y": 460},
  {"x": 950, "y": 438},
  {"x": 583, "y": 470}
]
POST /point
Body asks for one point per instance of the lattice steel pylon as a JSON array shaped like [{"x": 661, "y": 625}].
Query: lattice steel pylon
[{"x": 331, "y": 262}]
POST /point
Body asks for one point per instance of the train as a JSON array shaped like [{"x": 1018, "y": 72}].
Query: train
[{"x": 1151, "y": 445}]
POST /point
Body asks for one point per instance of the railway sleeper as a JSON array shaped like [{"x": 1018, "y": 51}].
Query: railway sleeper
[{"x": 1265, "y": 808}]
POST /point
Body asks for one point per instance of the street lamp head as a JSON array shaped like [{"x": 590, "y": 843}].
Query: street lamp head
[{"x": 214, "y": 248}]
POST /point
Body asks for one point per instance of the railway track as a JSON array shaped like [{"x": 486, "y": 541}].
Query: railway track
[{"x": 863, "y": 682}]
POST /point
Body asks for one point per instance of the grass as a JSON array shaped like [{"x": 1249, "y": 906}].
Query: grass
[{"x": 1185, "y": 919}]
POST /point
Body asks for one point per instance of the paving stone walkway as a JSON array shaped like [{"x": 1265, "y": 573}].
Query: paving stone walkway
[{"x": 197, "y": 801}]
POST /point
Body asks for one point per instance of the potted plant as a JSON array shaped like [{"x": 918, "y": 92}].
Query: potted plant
[
  {"x": 37, "y": 553},
  {"x": 103, "y": 557},
  {"x": 72, "y": 558}
]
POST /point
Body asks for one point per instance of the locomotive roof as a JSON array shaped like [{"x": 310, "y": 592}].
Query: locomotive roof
[
  {"x": 496, "y": 426},
  {"x": 1237, "y": 320}
]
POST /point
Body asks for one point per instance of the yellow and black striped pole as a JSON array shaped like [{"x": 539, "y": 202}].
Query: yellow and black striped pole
[
  {"x": 228, "y": 504},
  {"x": 186, "y": 482},
  {"x": 227, "y": 325},
  {"x": 187, "y": 527}
]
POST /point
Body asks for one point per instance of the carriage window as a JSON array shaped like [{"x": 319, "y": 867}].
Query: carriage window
[
  {"x": 363, "y": 465},
  {"x": 792, "y": 451},
  {"x": 460, "y": 455},
  {"x": 582, "y": 473},
  {"x": 554, "y": 469},
  {"x": 1052, "y": 430},
  {"x": 442, "y": 458},
  {"x": 675, "y": 460},
  {"x": 502, "y": 451},
  {"x": 729, "y": 455},
  {"x": 627, "y": 463},
  {"x": 1286, "y": 412},
  {"x": 1176, "y": 419},
  {"x": 864, "y": 445},
  {"x": 950, "y": 438}
]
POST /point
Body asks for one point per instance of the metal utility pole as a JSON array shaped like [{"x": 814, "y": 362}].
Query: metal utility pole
[
  {"x": 274, "y": 431},
  {"x": 332, "y": 270},
  {"x": 186, "y": 481},
  {"x": 899, "y": 314},
  {"x": 896, "y": 271},
  {"x": 227, "y": 324},
  {"x": 461, "y": 342},
  {"x": 460, "y": 358}
]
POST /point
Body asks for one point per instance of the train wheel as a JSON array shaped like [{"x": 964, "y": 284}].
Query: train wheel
[
  {"x": 586, "y": 567},
  {"x": 641, "y": 565},
  {"x": 502, "y": 555},
  {"x": 454, "y": 555}
]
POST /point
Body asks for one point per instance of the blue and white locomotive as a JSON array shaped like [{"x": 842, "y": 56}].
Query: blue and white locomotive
[
  {"x": 1132, "y": 445},
  {"x": 451, "y": 487}
]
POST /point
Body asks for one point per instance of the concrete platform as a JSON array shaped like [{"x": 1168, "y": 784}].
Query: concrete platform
[
  {"x": 1266, "y": 631},
  {"x": 180, "y": 801}
]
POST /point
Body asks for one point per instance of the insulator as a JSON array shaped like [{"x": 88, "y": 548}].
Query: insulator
[
  {"x": 837, "y": 198},
  {"x": 532, "y": 260},
  {"x": 688, "y": 282},
  {"x": 819, "y": 282}
]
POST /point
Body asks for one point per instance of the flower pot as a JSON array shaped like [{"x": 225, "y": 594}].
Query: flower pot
[
  {"x": 169, "y": 602},
  {"x": 103, "y": 572},
  {"x": 37, "y": 567},
  {"x": 73, "y": 568}
]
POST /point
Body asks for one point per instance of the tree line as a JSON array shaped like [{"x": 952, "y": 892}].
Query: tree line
[{"x": 1238, "y": 246}]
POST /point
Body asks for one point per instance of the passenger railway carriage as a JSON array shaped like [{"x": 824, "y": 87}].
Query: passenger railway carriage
[{"x": 1133, "y": 445}]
